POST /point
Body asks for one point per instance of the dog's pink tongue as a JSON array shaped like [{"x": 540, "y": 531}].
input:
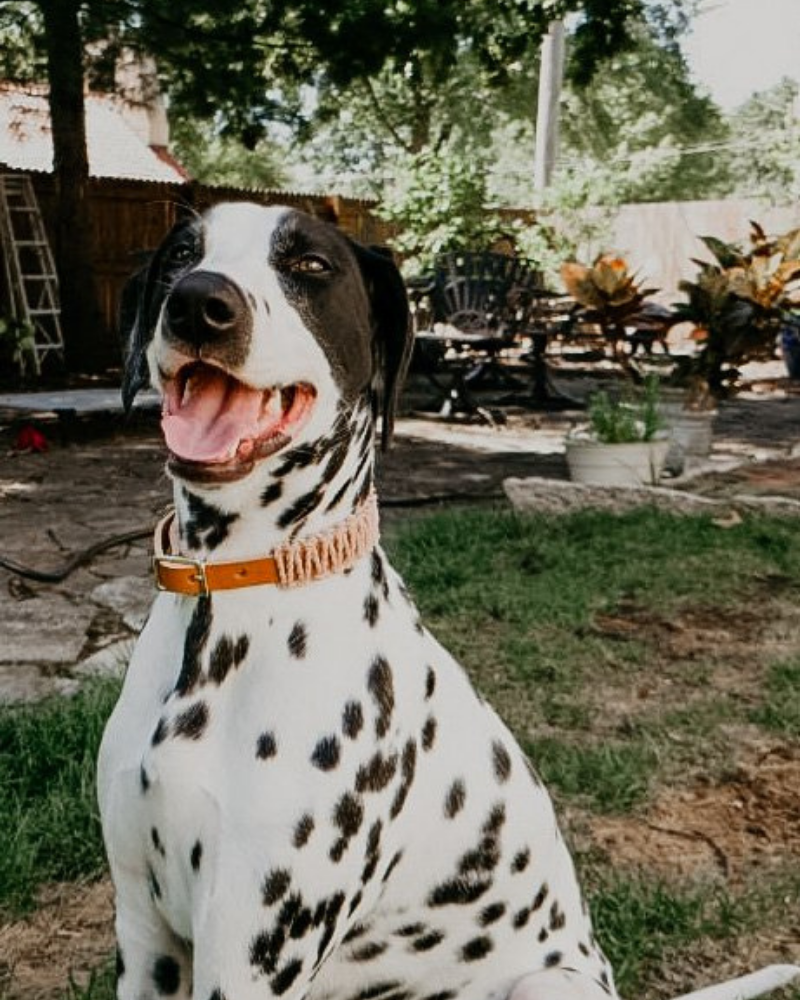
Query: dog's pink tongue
[{"x": 216, "y": 414}]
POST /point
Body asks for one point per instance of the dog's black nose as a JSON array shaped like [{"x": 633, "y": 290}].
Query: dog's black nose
[{"x": 204, "y": 308}]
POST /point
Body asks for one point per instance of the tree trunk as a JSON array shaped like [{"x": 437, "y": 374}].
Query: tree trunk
[{"x": 80, "y": 315}]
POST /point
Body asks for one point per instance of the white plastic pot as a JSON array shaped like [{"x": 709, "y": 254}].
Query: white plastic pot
[
  {"x": 692, "y": 436},
  {"x": 593, "y": 463}
]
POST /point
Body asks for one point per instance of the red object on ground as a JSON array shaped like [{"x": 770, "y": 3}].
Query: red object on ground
[{"x": 29, "y": 439}]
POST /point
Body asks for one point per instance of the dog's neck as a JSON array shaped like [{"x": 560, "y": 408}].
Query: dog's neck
[{"x": 303, "y": 491}]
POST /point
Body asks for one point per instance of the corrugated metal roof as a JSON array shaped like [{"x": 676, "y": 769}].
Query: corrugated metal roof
[{"x": 115, "y": 149}]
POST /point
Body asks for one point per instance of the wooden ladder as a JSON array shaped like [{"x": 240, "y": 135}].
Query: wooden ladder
[{"x": 30, "y": 272}]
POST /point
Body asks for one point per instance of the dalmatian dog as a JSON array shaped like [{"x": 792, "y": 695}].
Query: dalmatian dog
[{"x": 302, "y": 795}]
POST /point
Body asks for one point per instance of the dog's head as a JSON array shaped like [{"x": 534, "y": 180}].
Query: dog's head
[{"x": 258, "y": 325}]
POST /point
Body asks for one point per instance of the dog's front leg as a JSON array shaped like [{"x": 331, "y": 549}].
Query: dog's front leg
[{"x": 152, "y": 962}]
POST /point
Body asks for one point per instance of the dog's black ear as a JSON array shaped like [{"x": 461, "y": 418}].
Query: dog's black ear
[
  {"x": 392, "y": 329},
  {"x": 135, "y": 335}
]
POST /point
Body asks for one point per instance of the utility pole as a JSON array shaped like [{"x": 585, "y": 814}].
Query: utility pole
[{"x": 551, "y": 73}]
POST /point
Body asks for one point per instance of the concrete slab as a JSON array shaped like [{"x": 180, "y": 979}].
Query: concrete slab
[
  {"x": 130, "y": 596},
  {"x": 112, "y": 661},
  {"x": 76, "y": 401},
  {"x": 46, "y": 628},
  {"x": 28, "y": 682}
]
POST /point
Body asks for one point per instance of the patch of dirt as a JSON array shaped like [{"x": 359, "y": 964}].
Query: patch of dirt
[
  {"x": 70, "y": 931},
  {"x": 693, "y": 652},
  {"x": 690, "y": 634},
  {"x": 751, "y": 820},
  {"x": 711, "y": 961},
  {"x": 775, "y": 477}
]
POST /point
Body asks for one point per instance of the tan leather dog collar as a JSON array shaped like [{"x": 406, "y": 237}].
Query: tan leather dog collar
[{"x": 289, "y": 565}]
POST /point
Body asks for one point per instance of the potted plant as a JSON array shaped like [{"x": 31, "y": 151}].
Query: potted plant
[
  {"x": 738, "y": 306},
  {"x": 608, "y": 295},
  {"x": 624, "y": 442}
]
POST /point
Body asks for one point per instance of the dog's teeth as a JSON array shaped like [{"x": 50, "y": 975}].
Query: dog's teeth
[
  {"x": 188, "y": 390},
  {"x": 271, "y": 407}
]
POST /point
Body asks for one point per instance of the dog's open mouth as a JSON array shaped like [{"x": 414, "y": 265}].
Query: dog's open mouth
[{"x": 217, "y": 427}]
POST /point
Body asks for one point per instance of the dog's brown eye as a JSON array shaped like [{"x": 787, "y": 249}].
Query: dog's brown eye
[
  {"x": 182, "y": 253},
  {"x": 311, "y": 264}
]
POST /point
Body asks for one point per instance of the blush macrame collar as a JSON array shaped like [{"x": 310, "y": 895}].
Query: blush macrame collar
[{"x": 290, "y": 565}]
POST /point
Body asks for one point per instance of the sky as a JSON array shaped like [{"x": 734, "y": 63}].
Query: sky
[{"x": 737, "y": 47}]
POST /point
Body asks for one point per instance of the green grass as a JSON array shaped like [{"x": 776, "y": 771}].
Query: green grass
[
  {"x": 780, "y": 711},
  {"x": 99, "y": 985},
  {"x": 47, "y": 792},
  {"x": 560, "y": 570},
  {"x": 609, "y": 778},
  {"x": 646, "y": 924}
]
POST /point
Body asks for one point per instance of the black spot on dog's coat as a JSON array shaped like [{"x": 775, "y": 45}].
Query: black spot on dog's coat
[
  {"x": 429, "y": 733},
  {"x": 298, "y": 641},
  {"x": 166, "y": 975},
  {"x": 558, "y": 918},
  {"x": 326, "y": 753},
  {"x": 265, "y": 950},
  {"x": 458, "y": 891},
  {"x": 521, "y": 860},
  {"x": 430, "y": 683},
  {"x": 197, "y": 634},
  {"x": 369, "y": 951},
  {"x": 408, "y": 767},
  {"x": 491, "y": 914},
  {"x": 156, "y": 839},
  {"x": 297, "y": 512},
  {"x": 303, "y": 830},
  {"x": 398, "y": 857},
  {"x": 377, "y": 990},
  {"x": 371, "y": 610},
  {"x": 191, "y": 724},
  {"x": 541, "y": 896},
  {"x": 271, "y": 493},
  {"x": 159, "y": 734},
  {"x": 266, "y": 746},
  {"x": 410, "y": 930},
  {"x": 348, "y": 814},
  {"x": 286, "y": 977},
  {"x": 206, "y": 524},
  {"x": 226, "y": 655},
  {"x": 428, "y": 941},
  {"x": 352, "y": 719},
  {"x": 381, "y": 687},
  {"x": 376, "y": 774},
  {"x": 275, "y": 885},
  {"x": 155, "y": 885},
  {"x": 455, "y": 799},
  {"x": 196, "y": 856},
  {"x": 501, "y": 761},
  {"x": 521, "y": 918},
  {"x": 477, "y": 948}
]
